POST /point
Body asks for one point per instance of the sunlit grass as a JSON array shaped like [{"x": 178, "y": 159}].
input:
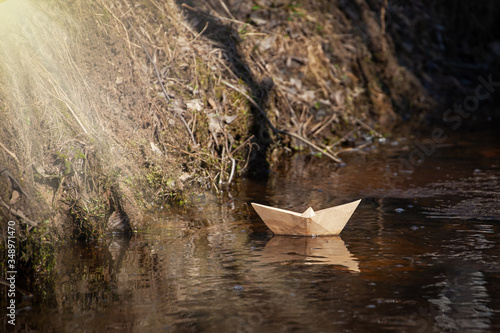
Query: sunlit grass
[
  {"x": 46, "y": 97},
  {"x": 48, "y": 109}
]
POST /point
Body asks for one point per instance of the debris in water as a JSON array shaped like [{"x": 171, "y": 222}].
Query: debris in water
[{"x": 238, "y": 288}]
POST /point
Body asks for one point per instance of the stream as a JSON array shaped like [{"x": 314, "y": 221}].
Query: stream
[{"x": 420, "y": 254}]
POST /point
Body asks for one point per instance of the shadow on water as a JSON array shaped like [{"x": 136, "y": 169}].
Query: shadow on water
[{"x": 226, "y": 37}]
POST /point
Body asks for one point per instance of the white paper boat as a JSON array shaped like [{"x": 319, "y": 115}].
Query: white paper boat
[{"x": 326, "y": 222}]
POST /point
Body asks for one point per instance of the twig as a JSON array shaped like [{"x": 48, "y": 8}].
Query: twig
[
  {"x": 123, "y": 25},
  {"x": 278, "y": 131},
  {"x": 228, "y": 69},
  {"x": 216, "y": 16},
  {"x": 199, "y": 34},
  {"x": 77, "y": 119},
  {"x": 242, "y": 145},
  {"x": 178, "y": 113},
  {"x": 319, "y": 127},
  {"x": 60, "y": 91},
  {"x": 197, "y": 154},
  {"x": 359, "y": 121},
  {"x": 233, "y": 166},
  {"x": 18, "y": 213},
  {"x": 21, "y": 291},
  {"x": 364, "y": 145},
  {"x": 293, "y": 116},
  {"x": 226, "y": 9},
  {"x": 248, "y": 158},
  {"x": 213, "y": 181},
  {"x": 222, "y": 167},
  {"x": 339, "y": 141},
  {"x": 382, "y": 17},
  {"x": 9, "y": 152},
  {"x": 14, "y": 183},
  {"x": 336, "y": 159}
]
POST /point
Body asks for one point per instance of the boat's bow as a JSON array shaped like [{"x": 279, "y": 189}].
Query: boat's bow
[
  {"x": 326, "y": 222},
  {"x": 331, "y": 221},
  {"x": 281, "y": 221}
]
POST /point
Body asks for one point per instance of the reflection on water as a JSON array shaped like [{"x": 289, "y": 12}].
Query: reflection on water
[
  {"x": 419, "y": 254},
  {"x": 319, "y": 250},
  {"x": 462, "y": 301}
]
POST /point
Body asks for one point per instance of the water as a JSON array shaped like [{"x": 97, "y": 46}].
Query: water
[{"x": 419, "y": 255}]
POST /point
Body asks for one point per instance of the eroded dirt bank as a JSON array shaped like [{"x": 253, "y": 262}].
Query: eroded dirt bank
[{"x": 111, "y": 107}]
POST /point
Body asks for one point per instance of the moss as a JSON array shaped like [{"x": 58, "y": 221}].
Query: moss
[{"x": 34, "y": 256}]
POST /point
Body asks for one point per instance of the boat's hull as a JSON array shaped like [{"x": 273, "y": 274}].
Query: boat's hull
[{"x": 326, "y": 222}]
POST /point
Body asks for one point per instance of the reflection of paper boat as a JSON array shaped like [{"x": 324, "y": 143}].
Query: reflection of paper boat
[
  {"x": 326, "y": 222},
  {"x": 313, "y": 251}
]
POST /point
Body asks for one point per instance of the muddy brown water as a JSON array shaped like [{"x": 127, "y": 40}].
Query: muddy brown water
[{"x": 420, "y": 254}]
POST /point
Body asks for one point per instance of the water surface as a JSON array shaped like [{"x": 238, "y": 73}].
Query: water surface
[{"x": 420, "y": 254}]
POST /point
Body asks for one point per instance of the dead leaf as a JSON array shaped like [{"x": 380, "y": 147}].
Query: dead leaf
[
  {"x": 155, "y": 149},
  {"x": 308, "y": 96},
  {"x": 195, "y": 105}
]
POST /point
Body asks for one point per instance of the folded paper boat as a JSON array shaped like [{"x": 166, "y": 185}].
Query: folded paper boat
[{"x": 326, "y": 222}]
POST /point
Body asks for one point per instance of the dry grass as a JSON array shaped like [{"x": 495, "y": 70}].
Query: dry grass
[{"x": 51, "y": 118}]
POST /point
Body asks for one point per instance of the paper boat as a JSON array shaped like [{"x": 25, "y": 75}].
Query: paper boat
[
  {"x": 326, "y": 222},
  {"x": 310, "y": 251}
]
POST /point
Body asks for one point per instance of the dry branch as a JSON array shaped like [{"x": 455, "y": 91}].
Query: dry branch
[
  {"x": 9, "y": 152},
  {"x": 17, "y": 213}
]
